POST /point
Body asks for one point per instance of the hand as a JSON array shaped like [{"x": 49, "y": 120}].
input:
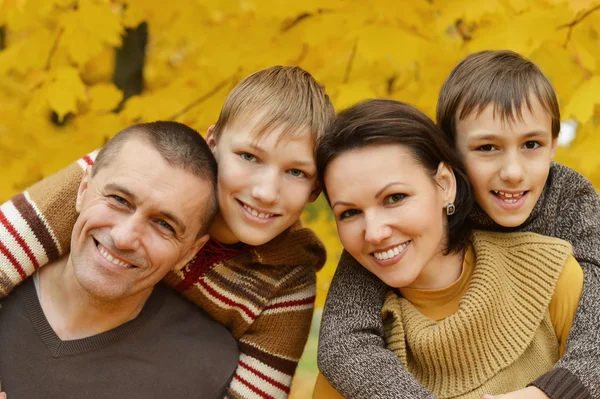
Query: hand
[
  {"x": 526, "y": 393},
  {"x": 2, "y": 394}
]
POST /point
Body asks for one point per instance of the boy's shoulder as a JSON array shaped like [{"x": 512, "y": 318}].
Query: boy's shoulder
[{"x": 568, "y": 184}]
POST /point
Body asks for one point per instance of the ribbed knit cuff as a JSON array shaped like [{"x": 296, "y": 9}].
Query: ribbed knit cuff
[{"x": 560, "y": 383}]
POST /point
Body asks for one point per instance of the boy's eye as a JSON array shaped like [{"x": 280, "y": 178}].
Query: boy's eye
[
  {"x": 532, "y": 145},
  {"x": 248, "y": 157},
  {"x": 393, "y": 198},
  {"x": 348, "y": 213},
  {"x": 486, "y": 148},
  {"x": 297, "y": 173}
]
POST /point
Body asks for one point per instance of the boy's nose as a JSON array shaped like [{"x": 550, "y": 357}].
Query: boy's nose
[
  {"x": 266, "y": 188},
  {"x": 513, "y": 170}
]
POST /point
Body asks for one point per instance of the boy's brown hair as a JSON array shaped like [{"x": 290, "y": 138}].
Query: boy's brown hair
[
  {"x": 284, "y": 96},
  {"x": 505, "y": 79}
]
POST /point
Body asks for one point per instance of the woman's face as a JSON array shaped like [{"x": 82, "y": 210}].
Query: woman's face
[{"x": 390, "y": 213}]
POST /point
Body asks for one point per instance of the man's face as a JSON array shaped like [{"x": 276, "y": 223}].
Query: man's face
[
  {"x": 263, "y": 184},
  {"x": 508, "y": 162},
  {"x": 139, "y": 217}
]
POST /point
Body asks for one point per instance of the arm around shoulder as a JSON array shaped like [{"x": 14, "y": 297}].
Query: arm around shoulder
[
  {"x": 352, "y": 351},
  {"x": 36, "y": 225}
]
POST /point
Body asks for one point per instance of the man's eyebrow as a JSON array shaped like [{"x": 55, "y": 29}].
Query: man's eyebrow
[
  {"x": 387, "y": 186},
  {"x": 179, "y": 225}
]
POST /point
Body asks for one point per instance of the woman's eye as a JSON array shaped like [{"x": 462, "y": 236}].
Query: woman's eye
[
  {"x": 248, "y": 157},
  {"x": 392, "y": 199},
  {"x": 532, "y": 145},
  {"x": 297, "y": 173},
  {"x": 486, "y": 148},
  {"x": 348, "y": 213}
]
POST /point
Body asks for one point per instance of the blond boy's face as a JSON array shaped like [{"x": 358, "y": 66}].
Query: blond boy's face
[
  {"x": 263, "y": 184},
  {"x": 508, "y": 162}
]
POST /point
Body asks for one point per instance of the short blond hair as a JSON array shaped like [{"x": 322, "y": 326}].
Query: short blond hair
[
  {"x": 283, "y": 96},
  {"x": 503, "y": 78}
]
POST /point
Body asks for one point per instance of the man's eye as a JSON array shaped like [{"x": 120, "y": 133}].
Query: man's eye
[
  {"x": 532, "y": 145},
  {"x": 348, "y": 213},
  {"x": 486, "y": 148},
  {"x": 393, "y": 198},
  {"x": 247, "y": 157},
  {"x": 166, "y": 226},
  {"x": 119, "y": 200},
  {"x": 297, "y": 173}
]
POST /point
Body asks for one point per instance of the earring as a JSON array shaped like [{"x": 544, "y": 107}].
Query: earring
[{"x": 450, "y": 209}]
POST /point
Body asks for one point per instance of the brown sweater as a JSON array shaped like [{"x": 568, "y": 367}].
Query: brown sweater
[{"x": 171, "y": 350}]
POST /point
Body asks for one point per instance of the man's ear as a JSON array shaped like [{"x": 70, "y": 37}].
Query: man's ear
[
  {"x": 210, "y": 138},
  {"x": 445, "y": 179},
  {"x": 315, "y": 192},
  {"x": 83, "y": 185},
  {"x": 197, "y": 246},
  {"x": 553, "y": 145}
]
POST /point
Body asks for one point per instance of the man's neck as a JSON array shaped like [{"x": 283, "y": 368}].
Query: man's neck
[{"x": 72, "y": 312}]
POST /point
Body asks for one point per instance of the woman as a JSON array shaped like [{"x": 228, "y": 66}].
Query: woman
[{"x": 467, "y": 312}]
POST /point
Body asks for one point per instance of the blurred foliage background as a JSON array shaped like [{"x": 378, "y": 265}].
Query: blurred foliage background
[{"x": 75, "y": 72}]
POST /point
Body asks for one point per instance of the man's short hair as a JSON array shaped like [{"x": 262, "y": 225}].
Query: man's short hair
[
  {"x": 180, "y": 146},
  {"x": 283, "y": 96},
  {"x": 505, "y": 79}
]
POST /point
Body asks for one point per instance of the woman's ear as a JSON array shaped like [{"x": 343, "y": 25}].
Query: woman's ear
[{"x": 445, "y": 179}]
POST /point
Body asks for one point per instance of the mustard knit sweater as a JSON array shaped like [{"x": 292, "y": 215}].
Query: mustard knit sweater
[{"x": 501, "y": 337}]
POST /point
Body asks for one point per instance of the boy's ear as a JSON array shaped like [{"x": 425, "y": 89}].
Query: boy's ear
[
  {"x": 315, "y": 192},
  {"x": 210, "y": 138},
  {"x": 446, "y": 180},
  {"x": 83, "y": 185},
  {"x": 554, "y": 145},
  {"x": 197, "y": 246}
]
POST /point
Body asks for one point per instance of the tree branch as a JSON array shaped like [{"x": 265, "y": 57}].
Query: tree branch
[
  {"x": 202, "y": 98},
  {"x": 571, "y": 25}
]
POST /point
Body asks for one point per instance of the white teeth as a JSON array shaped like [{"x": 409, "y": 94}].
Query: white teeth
[
  {"x": 111, "y": 259},
  {"x": 508, "y": 197},
  {"x": 255, "y": 213},
  {"x": 390, "y": 253}
]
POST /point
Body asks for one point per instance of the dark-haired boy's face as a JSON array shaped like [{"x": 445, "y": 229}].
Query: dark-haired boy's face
[{"x": 507, "y": 161}]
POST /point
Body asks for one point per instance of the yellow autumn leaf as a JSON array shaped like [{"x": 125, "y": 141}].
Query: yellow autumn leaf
[
  {"x": 64, "y": 90},
  {"x": 556, "y": 61},
  {"x": 88, "y": 29},
  {"x": 104, "y": 97},
  {"x": 583, "y": 100}
]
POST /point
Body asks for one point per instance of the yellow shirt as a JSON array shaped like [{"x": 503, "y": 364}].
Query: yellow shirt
[{"x": 441, "y": 303}]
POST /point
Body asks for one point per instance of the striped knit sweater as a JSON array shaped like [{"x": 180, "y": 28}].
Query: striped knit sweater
[{"x": 264, "y": 295}]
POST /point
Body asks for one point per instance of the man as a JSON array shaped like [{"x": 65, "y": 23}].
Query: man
[{"x": 96, "y": 323}]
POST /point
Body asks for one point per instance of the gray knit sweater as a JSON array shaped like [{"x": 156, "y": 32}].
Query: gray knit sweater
[{"x": 352, "y": 353}]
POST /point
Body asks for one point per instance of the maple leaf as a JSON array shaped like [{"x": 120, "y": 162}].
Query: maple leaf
[{"x": 64, "y": 90}]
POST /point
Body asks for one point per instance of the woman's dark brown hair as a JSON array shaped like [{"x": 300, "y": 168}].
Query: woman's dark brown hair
[{"x": 383, "y": 122}]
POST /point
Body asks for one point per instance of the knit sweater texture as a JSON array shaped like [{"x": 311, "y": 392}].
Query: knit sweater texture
[
  {"x": 506, "y": 302},
  {"x": 352, "y": 352},
  {"x": 264, "y": 295}
]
